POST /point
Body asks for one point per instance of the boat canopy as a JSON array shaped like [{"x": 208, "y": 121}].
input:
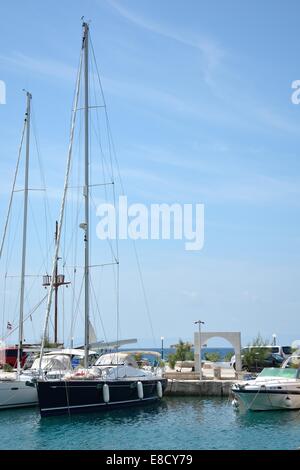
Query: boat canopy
[
  {"x": 116, "y": 358},
  {"x": 53, "y": 362}
]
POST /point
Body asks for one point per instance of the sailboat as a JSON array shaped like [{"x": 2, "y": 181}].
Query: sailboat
[
  {"x": 115, "y": 380},
  {"x": 17, "y": 389},
  {"x": 14, "y": 391}
]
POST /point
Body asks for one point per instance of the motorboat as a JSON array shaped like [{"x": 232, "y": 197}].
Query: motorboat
[{"x": 272, "y": 389}]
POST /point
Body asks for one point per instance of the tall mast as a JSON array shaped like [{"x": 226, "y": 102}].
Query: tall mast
[
  {"x": 86, "y": 190},
  {"x": 56, "y": 289},
  {"x": 24, "y": 244}
]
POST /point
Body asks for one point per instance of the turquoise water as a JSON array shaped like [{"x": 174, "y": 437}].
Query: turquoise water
[{"x": 175, "y": 423}]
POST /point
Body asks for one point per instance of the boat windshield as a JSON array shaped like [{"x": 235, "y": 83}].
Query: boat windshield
[{"x": 280, "y": 373}]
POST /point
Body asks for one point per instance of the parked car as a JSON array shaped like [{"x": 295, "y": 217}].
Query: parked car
[
  {"x": 275, "y": 357},
  {"x": 284, "y": 351}
]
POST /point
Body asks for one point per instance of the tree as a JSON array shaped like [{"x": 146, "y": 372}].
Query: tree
[
  {"x": 183, "y": 353},
  {"x": 48, "y": 344},
  {"x": 256, "y": 352}
]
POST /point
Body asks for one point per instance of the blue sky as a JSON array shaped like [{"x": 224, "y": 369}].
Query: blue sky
[{"x": 199, "y": 98}]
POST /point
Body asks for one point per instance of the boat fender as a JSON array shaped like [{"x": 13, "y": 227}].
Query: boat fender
[
  {"x": 288, "y": 402},
  {"x": 159, "y": 389},
  {"x": 105, "y": 392},
  {"x": 140, "y": 390}
]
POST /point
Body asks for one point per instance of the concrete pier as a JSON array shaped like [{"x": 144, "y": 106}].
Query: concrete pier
[{"x": 207, "y": 388}]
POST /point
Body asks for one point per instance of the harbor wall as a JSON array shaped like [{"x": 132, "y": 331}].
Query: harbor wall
[{"x": 208, "y": 388}]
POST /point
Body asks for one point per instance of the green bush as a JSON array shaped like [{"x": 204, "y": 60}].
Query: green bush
[
  {"x": 138, "y": 358},
  {"x": 172, "y": 360},
  {"x": 212, "y": 356},
  {"x": 228, "y": 356}
]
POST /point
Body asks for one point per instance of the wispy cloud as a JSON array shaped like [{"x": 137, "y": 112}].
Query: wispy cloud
[
  {"x": 190, "y": 294},
  {"x": 212, "y": 53},
  {"x": 237, "y": 113},
  {"x": 236, "y": 109},
  {"x": 195, "y": 161},
  {"x": 275, "y": 120},
  {"x": 221, "y": 178},
  {"x": 248, "y": 189},
  {"x": 41, "y": 66}
]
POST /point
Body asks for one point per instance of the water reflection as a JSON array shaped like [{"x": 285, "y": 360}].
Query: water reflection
[
  {"x": 116, "y": 416},
  {"x": 186, "y": 406},
  {"x": 174, "y": 423},
  {"x": 268, "y": 418}
]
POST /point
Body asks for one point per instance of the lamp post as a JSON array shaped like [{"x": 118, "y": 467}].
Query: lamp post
[
  {"x": 199, "y": 322},
  {"x": 162, "y": 347}
]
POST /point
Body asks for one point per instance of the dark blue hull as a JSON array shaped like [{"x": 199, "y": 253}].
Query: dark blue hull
[{"x": 83, "y": 396}]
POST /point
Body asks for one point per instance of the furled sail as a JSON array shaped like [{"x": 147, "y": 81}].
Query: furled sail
[{"x": 92, "y": 334}]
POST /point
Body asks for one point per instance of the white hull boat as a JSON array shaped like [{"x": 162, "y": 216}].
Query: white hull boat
[
  {"x": 273, "y": 389},
  {"x": 19, "y": 390},
  {"x": 17, "y": 393}
]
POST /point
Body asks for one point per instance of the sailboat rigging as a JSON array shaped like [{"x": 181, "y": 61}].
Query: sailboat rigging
[{"x": 59, "y": 281}]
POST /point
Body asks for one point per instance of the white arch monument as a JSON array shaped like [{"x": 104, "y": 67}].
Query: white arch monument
[{"x": 234, "y": 337}]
